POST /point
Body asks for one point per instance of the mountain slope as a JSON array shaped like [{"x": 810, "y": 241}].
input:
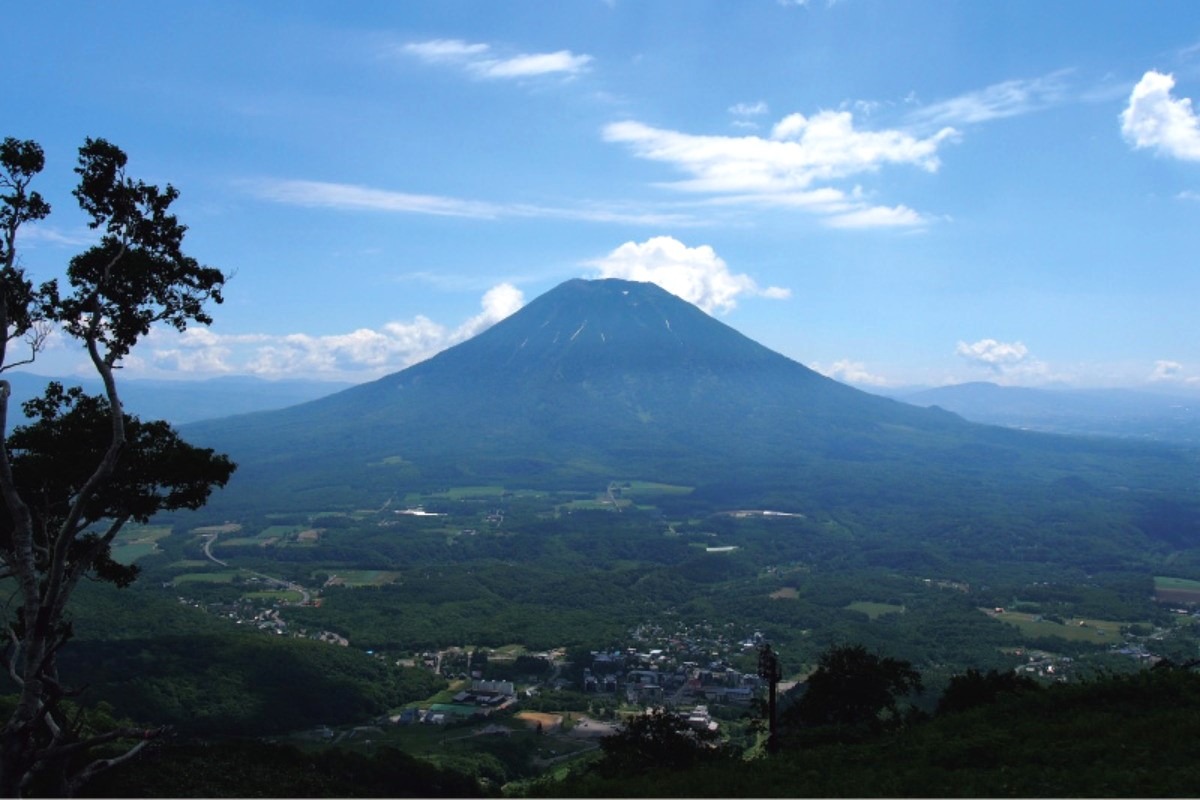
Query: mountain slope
[{"x": 602, "y": 380}]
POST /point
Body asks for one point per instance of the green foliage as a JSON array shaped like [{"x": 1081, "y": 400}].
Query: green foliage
[
  {"x": 658, "y": 740},
  {"x": 58, "y": 449},
  {"x": 853, "y": 689},
  {"x": 256, "y": 769},
  {"x": 235, "y": 683},
  {"x": 974, "y": 688}
]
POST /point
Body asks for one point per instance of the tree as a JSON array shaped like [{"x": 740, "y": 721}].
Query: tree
[
  {"x": 853, "y": 688},
  {"x": 81, "y": 468},
  {"x": 658, "y": 739},
  {"x": 974, "y": 688}
]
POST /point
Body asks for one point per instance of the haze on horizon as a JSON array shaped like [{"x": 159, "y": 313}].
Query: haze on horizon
[{"x": 891, "y": 194}]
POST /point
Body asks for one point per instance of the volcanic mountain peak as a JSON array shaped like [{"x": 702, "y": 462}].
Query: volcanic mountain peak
[
  {"x": 581, "y": 327},
  {"x": 592, "y": 380}
]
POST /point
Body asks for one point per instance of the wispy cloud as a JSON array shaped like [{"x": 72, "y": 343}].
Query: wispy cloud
[
  {"x": 1156, "y": 120},
  {"x": 349, "y": 197},
  {"x": 783, "y": 170},
  {"x": 697, "y": 274},
  {"x": 361, "y": 354},
  {"x": 744, "y": 114},
  {"x": 480, "y": 60},
  {"x": 1006, "y": 99},
  {"x": 41, "y": 234},
  {"x": 749, "y": 109},
  {"x": 318, "y": 194}
]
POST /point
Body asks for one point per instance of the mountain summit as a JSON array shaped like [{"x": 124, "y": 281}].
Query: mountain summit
[{"x": 610, "y": 379}]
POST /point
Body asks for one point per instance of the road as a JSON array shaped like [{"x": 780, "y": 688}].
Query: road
[
  {"x": 209, "y": 539},
  {"x": 277, "y": 583}
]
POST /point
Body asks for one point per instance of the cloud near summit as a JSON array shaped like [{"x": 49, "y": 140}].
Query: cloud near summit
[
  {"x": 361, "y": 354},
  {"x": 696, "y": 274}
]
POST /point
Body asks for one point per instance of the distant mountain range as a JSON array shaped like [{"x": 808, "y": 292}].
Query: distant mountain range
[
  {"x": 614, "y": 380},
  {"x": 1094, "y": 412},
  {"x": 179, "y": 402}
]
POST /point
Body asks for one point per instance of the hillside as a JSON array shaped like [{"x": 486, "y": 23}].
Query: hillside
[{"x": 603, "y": 380}]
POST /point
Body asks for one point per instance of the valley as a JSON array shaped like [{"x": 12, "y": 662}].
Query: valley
[{"x": 594, "y": 606}]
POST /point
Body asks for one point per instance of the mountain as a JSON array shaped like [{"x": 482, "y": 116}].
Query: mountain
[
  {"x": 614, "y": 380},
  {"x": 179, "y": 402},
  {"x": 1096, "y": 412}
]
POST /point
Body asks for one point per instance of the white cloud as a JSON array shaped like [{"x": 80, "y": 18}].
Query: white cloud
[
  {"x": 877, "y": 217},
  {"x": 800, "y": 151},
  {"x": 478, "y": 60},
  {"x": 348, "y": 197},
  {"x": 697, "y": 274},
  {"x": 849, "y": 371},
  {"x": 499, "y": 302},
  {"x": 358, "y": 355},
  {"x": 993, "y": 354},
  {"x": 1172, "y": 372},
  {"x": 445, "y": 49},
  {"x": 1166, "y": 371},
  {"x": 1154, "y": 119},
  {"x": 524, "y": 66},
  {"x": 1007, "y": 362},
  {"x": 1000, "y": 100},
  {"x": 783, "y": 170}
]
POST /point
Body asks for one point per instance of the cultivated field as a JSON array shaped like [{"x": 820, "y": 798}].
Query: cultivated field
[
  {"x": 1176, "y": 591},
  {"x": 1095, "y": 631}
]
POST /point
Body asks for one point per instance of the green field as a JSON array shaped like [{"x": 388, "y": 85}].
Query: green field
[
  {"x": 365, "y": 577},
  {"x": 138, "y": 541},
  {"x": 228, "y": 527},
  {"x": 140, "y": 533},
  {"x": 129, "y": 553},
  {"x": 651, "y": 488},
  {"x": 875, "y": 610},
  {"x": 1094, "y": 631},
  {"x": 275, "y": 595},
  {"x": 225, "y": 576},
  {"x": 471, "y": 492},
  {"x": 1176, "y": 583}
]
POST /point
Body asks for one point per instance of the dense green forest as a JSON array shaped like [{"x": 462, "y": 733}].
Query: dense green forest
[{"x": 216, "y": 639}]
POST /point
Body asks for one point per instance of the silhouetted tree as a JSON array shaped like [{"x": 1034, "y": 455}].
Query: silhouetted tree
[
  {"x": 852, "y": 687},
  {"x": 81, "y": 468},
  {"x": 973, "y": 689},
  {"x": 658, "y": 739}
]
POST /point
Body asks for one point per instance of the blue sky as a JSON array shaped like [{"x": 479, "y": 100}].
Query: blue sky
[{"x": 894, "y": 193}]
